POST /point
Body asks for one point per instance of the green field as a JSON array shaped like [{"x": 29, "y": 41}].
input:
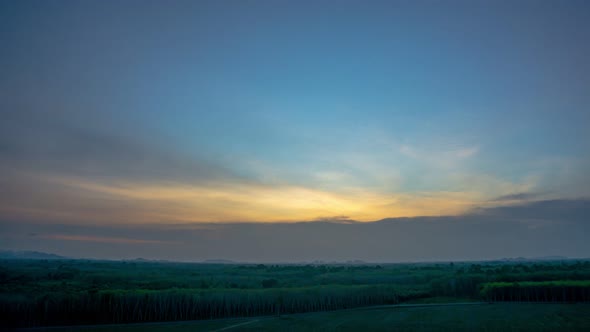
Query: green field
[
  {"x": 43, "y": 293},
  {"x": 485, "y": 317}
]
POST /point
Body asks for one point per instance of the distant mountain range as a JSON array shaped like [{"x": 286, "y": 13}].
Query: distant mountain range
[
  {"x": 544, "y": 258},
  {"x": 219, "y": 261},
  {"x": 9, "y": 254},
  {"x": 26, "y": 254}
]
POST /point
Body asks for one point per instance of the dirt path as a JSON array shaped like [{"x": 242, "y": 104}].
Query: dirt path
[{"x": 236, "y": 325}]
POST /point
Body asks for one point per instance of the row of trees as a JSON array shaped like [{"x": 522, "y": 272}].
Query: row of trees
[
  {"x": 149, "y": 306},
  {"x": 37, "y": 293},
  {"x": 531, "y": 291}
]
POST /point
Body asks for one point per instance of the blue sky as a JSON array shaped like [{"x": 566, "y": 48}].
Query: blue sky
[{"x": 193, "y": 111}]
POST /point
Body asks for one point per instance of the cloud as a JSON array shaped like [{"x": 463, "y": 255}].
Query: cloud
[
  {"x": 443, "y": 158},
  {"x": 556, "y": 209},
  {"x": 76, "y": 199},
  {"x": 467, "y": 152},
  {"x": 524, "y": 196},
  {"x": 37, "y": 142},
  {"x": 334, "y": 219},
  {"x": 60, "y": 170},
  {"x": 543, "y": 228},
  {"x": 51, "y": 197},
  {"x": 100, "y": 239}
]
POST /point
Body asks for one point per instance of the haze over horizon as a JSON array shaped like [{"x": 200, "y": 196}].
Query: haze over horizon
[{"x": 193, "y": 130}]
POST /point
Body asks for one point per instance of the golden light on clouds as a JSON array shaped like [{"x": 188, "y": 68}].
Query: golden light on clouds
[
  {"x": 237, "y": 202},
  {"x": 70, "y": 199}
]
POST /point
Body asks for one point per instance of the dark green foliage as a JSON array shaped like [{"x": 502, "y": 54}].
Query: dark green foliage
[
  {"x": 37, "y": 293},
  {"x": 270, "y": 283},
  {"x": 537, "y": 291}
]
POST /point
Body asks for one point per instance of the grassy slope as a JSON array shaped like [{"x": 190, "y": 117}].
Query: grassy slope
[{"x": 495, "y": 317}]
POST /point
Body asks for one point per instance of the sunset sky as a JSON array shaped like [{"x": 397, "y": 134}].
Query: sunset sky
[{"x": 185, "y": 112}]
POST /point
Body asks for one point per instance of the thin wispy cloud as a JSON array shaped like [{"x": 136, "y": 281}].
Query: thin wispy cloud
[
  {"x": 101, "y": 239},
  {"x": 526, "y": 196},
  {"x": 436, "y": 158}
]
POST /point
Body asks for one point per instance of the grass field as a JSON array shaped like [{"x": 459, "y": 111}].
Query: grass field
[
  {"x": 208, "y": 297},
  {"x": 35, "y": 293},
  {"x": 485, "y": 317}
]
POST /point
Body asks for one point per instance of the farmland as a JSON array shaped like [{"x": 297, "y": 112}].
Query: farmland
[
  {"x": 83, "y": 292},
  {"x": 486, "y": 317}
]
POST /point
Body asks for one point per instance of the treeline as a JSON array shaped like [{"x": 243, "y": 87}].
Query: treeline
[
  {"x": 533, "y": 291},
  {"x": 69, "y": 292},
  {"x": 120, "y": 306},
  {"x": 468, "y": 282}
]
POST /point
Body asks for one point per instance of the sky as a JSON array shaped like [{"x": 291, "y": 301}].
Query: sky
[{"x": 125, "y": 122}]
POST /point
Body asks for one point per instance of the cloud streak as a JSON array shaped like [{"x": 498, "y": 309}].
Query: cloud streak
[
  {"x": 100, "y": 239},
  {"x": 35, "y": 142},
  {"x": 55, "y": 171},
  {"x": 525, "y": 196},
  {"x": 542, "y": 228},
  {"x": 78, "y": 200}
]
